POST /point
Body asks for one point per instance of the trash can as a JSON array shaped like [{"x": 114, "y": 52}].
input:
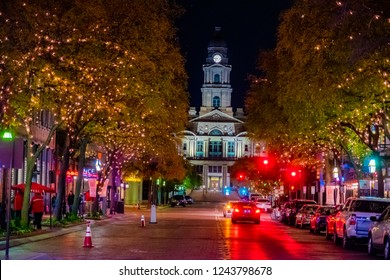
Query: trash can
[{"x": 120, "y": 207}]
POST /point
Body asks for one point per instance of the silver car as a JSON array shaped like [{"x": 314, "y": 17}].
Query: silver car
[{"x": 379, "y": 234}]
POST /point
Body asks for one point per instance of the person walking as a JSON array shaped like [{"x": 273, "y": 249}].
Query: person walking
[
  {"x": 70, "y": 200},
  {"x": 37, "y": 208},
  {"x": 18, "y": 203}
]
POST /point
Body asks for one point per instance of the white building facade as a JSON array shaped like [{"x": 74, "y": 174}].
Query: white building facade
[{"x": 216, "y": 135}]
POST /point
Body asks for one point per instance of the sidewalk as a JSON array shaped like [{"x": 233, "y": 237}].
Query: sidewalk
[{"x": 46, "y": 232}]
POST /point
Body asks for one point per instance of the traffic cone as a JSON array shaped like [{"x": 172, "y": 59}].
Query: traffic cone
[
  {"x": 88, "y": 237},
  {"x": 142, "y": 220}
]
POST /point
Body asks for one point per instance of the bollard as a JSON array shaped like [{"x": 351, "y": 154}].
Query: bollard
[
  {"x": 142, "y": 220},
  {"x": 153, "y": 219}
]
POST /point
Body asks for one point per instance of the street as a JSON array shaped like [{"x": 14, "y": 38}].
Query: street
[{"x": 196, "y": 232}]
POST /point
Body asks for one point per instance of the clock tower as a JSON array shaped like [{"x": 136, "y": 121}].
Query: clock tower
[{"x": 216, "y": 89}]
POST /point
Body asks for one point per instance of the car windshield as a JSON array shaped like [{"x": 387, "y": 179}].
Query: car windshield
[
  {"x": 369, "y": 206},
  {"x": 299, "y": 204},
  {"x": 310, "y": 208},
  {"x": 244, "y": 205},
  {"x": 326, "y": 210}
]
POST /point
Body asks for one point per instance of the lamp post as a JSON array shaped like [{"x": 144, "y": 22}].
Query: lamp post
[
  {"x": 9, "y": 137},
  {"x": 372, "y": 169}
]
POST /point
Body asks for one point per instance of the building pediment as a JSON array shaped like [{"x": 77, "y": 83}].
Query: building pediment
[{"x": 216, "y": 116}]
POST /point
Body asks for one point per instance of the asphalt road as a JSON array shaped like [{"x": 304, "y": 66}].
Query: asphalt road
[{"x": 195, "y": 232}]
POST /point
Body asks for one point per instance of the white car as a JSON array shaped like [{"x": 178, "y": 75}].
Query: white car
[
  {"x": 276, "y": 213},
  {"x": 264, "y": 204},
  {"x": 228, "y": 209},
  {"x": 304, "y": 215},
  {"x": 353, "y": 221},
  {"x": 379, "y": 235}
]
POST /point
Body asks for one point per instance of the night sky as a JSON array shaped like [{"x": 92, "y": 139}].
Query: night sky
[{"x": 248, "y": 26}]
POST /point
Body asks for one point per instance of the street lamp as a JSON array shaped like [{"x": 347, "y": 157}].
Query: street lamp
[{"x": 9, "y": 137}]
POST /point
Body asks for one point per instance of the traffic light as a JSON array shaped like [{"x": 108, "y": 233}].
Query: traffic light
[{"x": 241, "y": 177}]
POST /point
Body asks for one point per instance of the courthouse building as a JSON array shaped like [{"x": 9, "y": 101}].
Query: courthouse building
[{"x": 216, "y": 135}]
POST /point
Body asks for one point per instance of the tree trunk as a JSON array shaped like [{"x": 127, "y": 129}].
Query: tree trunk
[
  {"x": 381, "y": 183},
  {"x": 62, "y": 185},
  {"x": 24, "y": 222},
  {"x": 80, "y": 178}
]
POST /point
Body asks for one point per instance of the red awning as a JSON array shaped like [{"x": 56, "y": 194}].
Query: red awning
[{"x": 35, "y": 188}]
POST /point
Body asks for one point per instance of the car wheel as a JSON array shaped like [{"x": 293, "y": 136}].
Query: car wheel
[
  {"x": 257, "y": 221},
  {"x": 387, "y": 249},
  {"x": 370, "y": 247},
  {"x": 346, "y": 240},
  {"x": 234, "y": 221}
]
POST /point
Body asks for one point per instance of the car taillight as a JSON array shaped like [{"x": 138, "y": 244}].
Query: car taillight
[
  {"x": 257, "y": 210},
  {"x": 352, "y": 221},
  {"x": 236, "y": 210}
]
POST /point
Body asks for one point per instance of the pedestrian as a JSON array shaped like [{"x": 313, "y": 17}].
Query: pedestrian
[
  {"x": 37, "y": 207},
  {"x": 70, "y": 200},
  {"x": 88, "y": 200},
  {"x": 18, "y": 203}
]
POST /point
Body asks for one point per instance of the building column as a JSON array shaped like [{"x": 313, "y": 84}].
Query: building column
[
  {"x": 224, "y": 175},
  {"x": 206, "y": 176}
]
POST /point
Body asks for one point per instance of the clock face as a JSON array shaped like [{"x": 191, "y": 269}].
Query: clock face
[{"x": 217, "y": 58}]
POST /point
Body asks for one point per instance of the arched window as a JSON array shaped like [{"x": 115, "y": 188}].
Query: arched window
[
  {"x": 215, "y": 132},
  {"x": 217, "y": 79},
  {"x": 216, "y": 102}
]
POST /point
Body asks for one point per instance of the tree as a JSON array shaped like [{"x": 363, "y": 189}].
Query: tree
[
  {"x": 85, "y": 63},
  {"x": 331, "y": 57}
]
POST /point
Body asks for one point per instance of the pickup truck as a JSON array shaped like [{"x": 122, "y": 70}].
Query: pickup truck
[{"x": 353, "y": 221}]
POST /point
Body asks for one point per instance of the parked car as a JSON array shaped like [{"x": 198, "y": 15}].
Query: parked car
[
  {"x": 245, "y": 211},
  {"x": 276, "y": 212},
  {"x": 296, "y": 204},
  {"x": 285, "y": 212},
  {"x": 228, "y": 208},
  {"x": 189, "y": 199},
  {"x": 379, "y": 235},
  {"x": 318, "y": 220},
  {"x": 304, "y": 214},
  {"x": 178, "y": 200},
  {"x": 329, "y": 227},
  {"x": 264, "y": 204},
  {"x": 353, "y": 221}
]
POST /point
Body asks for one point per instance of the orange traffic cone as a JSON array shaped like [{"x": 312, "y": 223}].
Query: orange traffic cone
[
  {"x": 142, "y": 221},
  {"x": 88, "y": 237}
]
